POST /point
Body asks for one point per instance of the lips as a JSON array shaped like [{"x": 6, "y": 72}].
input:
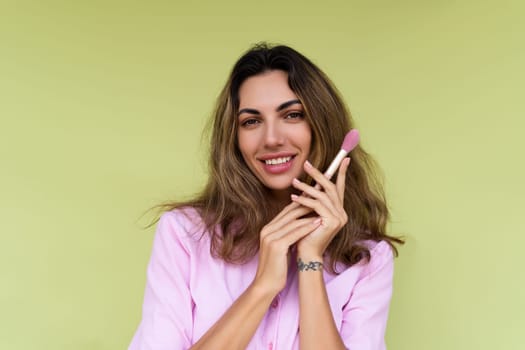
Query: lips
[
  {"x": 277, "y": 165},
  {"x": 276, "y": 155}
]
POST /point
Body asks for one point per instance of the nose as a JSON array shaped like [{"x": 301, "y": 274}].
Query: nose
[{"x": 273, "y": 135}]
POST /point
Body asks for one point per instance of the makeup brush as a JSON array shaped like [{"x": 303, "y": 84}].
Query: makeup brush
[{"x": 350, "y": 141}]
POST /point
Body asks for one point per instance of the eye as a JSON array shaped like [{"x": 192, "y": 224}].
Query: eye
[
  {"x": 295, "y": 115},
  {"x": 249, "y": 122}
]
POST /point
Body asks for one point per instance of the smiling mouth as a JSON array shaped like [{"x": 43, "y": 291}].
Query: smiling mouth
[{"x": 277, "y": 161}]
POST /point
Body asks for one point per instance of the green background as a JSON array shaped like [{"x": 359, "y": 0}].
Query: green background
[{"x": 102, "y": 104}]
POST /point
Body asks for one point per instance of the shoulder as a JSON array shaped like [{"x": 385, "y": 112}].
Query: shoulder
[
  {"x": 381, "y": 257},
  {"x": 379, "y": 250},
  {"x": 187, "y": 218},
  {"x": 181, "y": 224}
]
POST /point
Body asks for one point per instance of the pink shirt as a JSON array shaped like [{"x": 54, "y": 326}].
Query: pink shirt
[{"x": 187, "y": 291}]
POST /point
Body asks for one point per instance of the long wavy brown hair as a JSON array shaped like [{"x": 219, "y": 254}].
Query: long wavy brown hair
[{"x": 235, "y": 205}]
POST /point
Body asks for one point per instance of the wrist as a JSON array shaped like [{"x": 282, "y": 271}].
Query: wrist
[
  {"x": 315, "y": 264},
  {"x": 309, "y": 254},
  {"x": 262, "y": 291}
]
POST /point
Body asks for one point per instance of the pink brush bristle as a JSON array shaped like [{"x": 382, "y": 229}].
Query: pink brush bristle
[{"x": 351, "y": 140}]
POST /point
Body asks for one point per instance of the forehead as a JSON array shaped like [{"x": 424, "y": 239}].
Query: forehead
[{"x": 265, "y": 90}]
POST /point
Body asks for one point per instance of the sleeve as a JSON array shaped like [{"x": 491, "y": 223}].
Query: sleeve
[
  {"x": 365, "y": 315},
  {"x": 167, "y": 310}
]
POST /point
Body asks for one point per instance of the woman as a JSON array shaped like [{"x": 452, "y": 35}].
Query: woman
[{"x": 262, "y": 259}]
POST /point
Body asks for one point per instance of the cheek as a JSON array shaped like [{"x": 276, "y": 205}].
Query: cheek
[
  {"x": 246, "y": 144},
  {"x": 307, "y": 139}
]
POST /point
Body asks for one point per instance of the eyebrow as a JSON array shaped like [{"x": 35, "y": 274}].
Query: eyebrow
[{"x": 278, "y": 109}]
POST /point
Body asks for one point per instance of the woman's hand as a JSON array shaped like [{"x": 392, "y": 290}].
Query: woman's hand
[
  {"x": 275, "y": 240},
  {"x": 327, "y": 200}
]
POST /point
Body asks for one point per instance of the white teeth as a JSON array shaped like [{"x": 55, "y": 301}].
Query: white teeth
[{"x": 277, "y": 160}]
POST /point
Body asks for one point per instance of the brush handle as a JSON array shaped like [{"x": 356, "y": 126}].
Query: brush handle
[
  {"x": 349, "y": 143},
  {"x": 335, "y": 164}
]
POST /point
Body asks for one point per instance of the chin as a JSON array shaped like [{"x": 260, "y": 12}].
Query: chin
[{"x": 278, "y": 185}]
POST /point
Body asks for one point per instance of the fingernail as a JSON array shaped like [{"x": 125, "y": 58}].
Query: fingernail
[
  {"x": 295, "y": 181},
  {"x": 308, "y": 164},
  {"x": 317, "y": 221},
  {"x": 294, "y": 196}
]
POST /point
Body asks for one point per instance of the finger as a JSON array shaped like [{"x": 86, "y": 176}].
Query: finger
[
  {"x": 323, "y": 183},
  {"x": 319, "y": 177},
  {"x": 341, "y": 178},
  {"x": 300, "y": 232},
  {"x": 287, "y": 209},
  {"x": 331, "y": 220},
  {"x": 330, "y": 202},
  {"x": 316, "y": 205},
  {"x": 291, "y": 227},
  {"x": 292, "y": 214},
  {"x": 308, "y": 191}
]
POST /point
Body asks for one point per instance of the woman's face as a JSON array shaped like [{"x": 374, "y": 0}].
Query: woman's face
[{"x": 273, "y": 135}]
